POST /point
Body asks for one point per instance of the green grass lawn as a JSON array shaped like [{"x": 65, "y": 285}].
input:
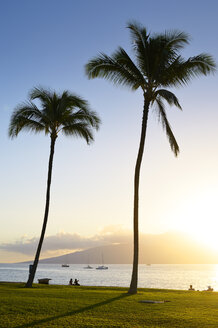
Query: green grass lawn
[{"x": 70, "y": 306}]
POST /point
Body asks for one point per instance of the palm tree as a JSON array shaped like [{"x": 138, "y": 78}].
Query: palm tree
[
  {"x": 66, "y": 113},
  {"x": 158, "y": 65}
]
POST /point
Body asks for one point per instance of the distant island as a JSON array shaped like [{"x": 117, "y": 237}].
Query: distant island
[{"x": 167, "y": 248}]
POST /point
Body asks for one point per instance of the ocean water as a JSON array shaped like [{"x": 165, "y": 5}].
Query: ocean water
[{"x": 169, "y": 276}]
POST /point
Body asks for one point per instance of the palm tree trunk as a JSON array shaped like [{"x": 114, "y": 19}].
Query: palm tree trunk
[
  {"x": 36, "y": 260},
  {"x": 134, "y": 280}
]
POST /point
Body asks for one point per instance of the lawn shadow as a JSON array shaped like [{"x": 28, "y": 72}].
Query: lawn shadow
[{"x": 90, "y": 307}]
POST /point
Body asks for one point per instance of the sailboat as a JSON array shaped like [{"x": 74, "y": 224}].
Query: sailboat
[
  {"x": 65, "y": 265},
  {"x": 102, "y": 267},
  {"x": 88, "y": 266}
]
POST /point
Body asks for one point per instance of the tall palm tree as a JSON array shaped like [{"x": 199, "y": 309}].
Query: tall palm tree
[
  {"x": 66, "y": 113},
  {"x": 158, "y": 65}
]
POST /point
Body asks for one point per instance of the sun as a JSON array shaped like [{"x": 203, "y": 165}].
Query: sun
[{"x": 198, "y": 217}]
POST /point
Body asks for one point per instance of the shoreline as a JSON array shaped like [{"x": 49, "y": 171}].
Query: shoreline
[{"x": 115, "y": 287}]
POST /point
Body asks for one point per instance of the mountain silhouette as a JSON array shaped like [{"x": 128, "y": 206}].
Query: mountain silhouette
[{"x": 167, "y": 248}]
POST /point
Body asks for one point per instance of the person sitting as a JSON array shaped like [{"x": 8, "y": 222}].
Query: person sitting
[
  {"x": 76, "y": 282},
  {"x": 191, "y": 288},
  {"x": 209, "y": 289},
  {"x": 71, "y": 282}
]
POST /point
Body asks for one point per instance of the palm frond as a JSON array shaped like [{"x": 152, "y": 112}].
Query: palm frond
[
  {"x": 25, "y": 117},
  {"x": 74, "y": 100},
  {"x": 166, "y": 126},
  {"x": 91, "y": 118},
  {"x": 41, "y": 93},
  {"x": 81, "y": 130},
  {"x": 108, "y": 68},
  {"x": 23, "y": 123},
  {"x": 138, "y": 34},
  {"x": 182, "y": 71},
  {"x": 174, "y": 39},
  {"x": 140, "y": 40},
  {"x": 123, "y": 59},
  {"x": 168, "y": 96},
  {"x": 201, "y": 64},
  {"x": 28, "y": 109}
]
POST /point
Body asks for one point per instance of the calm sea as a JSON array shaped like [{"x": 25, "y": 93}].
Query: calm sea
[{"x": 173, "y": 276}]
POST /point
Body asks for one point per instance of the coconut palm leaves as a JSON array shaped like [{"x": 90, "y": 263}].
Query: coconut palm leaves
[
  {"x": 158, "y": 64},
  {"x": 67, "y": 114}
]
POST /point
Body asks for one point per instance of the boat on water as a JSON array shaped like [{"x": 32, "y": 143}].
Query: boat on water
[
  {"x": 88, "y": 267},
  {"x": 102, "y": 267},
  {"x": 65, "y": 260}
]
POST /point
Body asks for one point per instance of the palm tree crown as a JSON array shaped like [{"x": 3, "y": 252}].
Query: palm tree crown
[
  {"x": 158, "y": 64},
  {"x": 66, "y": 113}
]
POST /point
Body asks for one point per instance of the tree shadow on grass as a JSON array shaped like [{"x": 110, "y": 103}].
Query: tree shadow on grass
[{"x": 71, "y": 313}]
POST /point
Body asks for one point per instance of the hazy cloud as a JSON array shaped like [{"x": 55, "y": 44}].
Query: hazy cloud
[{"x": 69, "y": 242}]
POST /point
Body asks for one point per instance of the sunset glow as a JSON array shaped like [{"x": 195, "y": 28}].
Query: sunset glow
[{"x": 199, "y": 217}]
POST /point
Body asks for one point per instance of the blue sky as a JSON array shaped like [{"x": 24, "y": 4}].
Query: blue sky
[{"x": 48, "y": 43}]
